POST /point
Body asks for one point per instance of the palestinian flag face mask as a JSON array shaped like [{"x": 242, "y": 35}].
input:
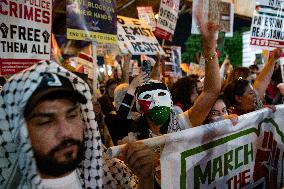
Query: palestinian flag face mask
[{"x": 156, "y": 105}]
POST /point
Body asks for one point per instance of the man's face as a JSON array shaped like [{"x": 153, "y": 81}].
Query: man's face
[{"x": 56, "y": 133}]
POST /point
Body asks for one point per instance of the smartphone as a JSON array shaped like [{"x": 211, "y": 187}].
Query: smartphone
[{"x": 146, "y": 67}]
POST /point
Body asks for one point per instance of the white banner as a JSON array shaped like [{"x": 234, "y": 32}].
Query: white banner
[
  {"x": 267, "y": 30},
  {"x": 221, "y": 12},
  {"x": 25, "y": 29},
  {"x": 223, "y": 156},
  {"x": 168, "y": 15},
  {"x": 136, "y": 37}
]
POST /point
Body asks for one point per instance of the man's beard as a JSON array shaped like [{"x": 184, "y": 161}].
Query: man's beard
[{"x": 48, "y": 165}]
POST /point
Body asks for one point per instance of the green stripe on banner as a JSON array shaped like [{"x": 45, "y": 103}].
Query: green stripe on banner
[
  {"x": 219, "y": 142},
  {"x": 271, "y": 14}
]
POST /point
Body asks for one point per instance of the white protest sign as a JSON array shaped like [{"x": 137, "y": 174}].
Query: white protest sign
[
  {"x": 25, "y": 29},
  {"x": 168, "y": 15},
  {"x": 147, "y": 14},
  {"x": 222, "y": 156},
  {"x": 267, "y": 31},
  {"x": 221, "y": 12},
  {"x": 136, "y": 37}
]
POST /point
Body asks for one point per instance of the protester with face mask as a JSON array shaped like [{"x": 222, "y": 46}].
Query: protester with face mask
[
  {"x": 219, "y": 112},
  {"x": 50, "y": 137},
  {"x": 155, "y": 102}
]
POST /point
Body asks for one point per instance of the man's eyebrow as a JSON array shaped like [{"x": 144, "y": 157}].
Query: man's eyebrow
[
  {"x": 39, "y": 114},
  {"x": 73, "y": 108}
]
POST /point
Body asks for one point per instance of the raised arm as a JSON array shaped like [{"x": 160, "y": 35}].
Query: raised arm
[
  {"x": 262, "y": 80},
  {"x": 125, "y": 68},
  {"x": 156, "y": 71},
  {"x": 126, "y": 104},
  {"x": 212, "y": 83}
]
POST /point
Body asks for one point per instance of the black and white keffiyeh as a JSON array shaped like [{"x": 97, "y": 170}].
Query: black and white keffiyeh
[{"x": 95, "y": 171}]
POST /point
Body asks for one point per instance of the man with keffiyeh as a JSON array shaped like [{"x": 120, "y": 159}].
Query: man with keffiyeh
[{"x": 49, "y": 137}]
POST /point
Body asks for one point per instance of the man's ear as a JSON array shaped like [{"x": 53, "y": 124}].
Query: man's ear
[{"x": 238, "y": 99}]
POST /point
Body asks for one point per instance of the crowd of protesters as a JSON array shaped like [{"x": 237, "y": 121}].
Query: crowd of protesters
[{"x": 59, "y": 132}]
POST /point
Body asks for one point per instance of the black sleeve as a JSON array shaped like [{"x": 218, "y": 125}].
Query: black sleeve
[{"x": 125, "y": 106}]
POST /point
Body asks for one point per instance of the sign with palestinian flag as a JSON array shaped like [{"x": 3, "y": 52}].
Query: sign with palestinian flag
[
  {"x": 222, "y": 156},
  {"x": 267, "y": 25}
]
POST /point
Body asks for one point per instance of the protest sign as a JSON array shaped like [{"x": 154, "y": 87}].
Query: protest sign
[
  {"x": 14, "y": 66},
  {"x": 267, "y": 25},
  {"x": 196, "y": 69},
  {"x": 136, "y": 37},
  {"x": 171, "y": 66},
  {"x": 91, "y": 20},
  {"x": 25, "y": 32},
  {"x": 168, "y": 15},
  {"x": 146, "y": 14},
  {"x": 85, "y": 64},
  {"x": 220, "y": 155},
  {"x": 218, "y": 11}
]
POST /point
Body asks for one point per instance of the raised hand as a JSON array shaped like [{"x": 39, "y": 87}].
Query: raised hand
[
  {"x": 275, "y": 54},
  {"x": 208, "y": 29},
  {"x": 136, "y": 82}
]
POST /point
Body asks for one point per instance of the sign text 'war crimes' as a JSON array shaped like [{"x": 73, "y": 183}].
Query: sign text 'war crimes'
[
  {"x": 268, "y": 27},
  {"x": 101, "y": 8},
  {"x": 224, "y": 165},
  {"x": 32, "y": 10},
  {"x": 22, "y": 33}
]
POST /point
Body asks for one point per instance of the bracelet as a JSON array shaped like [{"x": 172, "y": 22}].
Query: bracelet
[{"x": 211, "y": 57}]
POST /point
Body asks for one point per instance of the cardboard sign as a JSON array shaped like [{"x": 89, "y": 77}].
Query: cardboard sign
[
  {"x": 168, "y": 15},
  {"x": 172, "y": 65},
  {"x": 91, "y": 20},
  {"x": 25, "y": 29},
  {"x": 146, "y": 14},
  {"x": 136, "y": 37},
  {"x": 267, "y": 25},
  {"x": 218, "y": 11}
]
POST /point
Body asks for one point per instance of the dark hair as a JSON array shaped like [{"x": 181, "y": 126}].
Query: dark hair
[
  {"x": 182, "y": 90},
  {"x": 277, "y": 76},
  {"x": 240, "y": 72},
  {"x": 2, "y": 81},
  {"x": 253, "y": 67},
  {"x": 237, "y": 87},
  {"x": 111, "y": 82}
]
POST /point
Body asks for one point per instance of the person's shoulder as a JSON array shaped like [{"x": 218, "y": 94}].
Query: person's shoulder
[
  {"x": 116, "y": 174},
  {"x": 179, "y": 122}
]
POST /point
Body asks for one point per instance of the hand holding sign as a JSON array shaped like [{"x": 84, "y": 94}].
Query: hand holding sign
[{"x": 275, "y": 55}]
